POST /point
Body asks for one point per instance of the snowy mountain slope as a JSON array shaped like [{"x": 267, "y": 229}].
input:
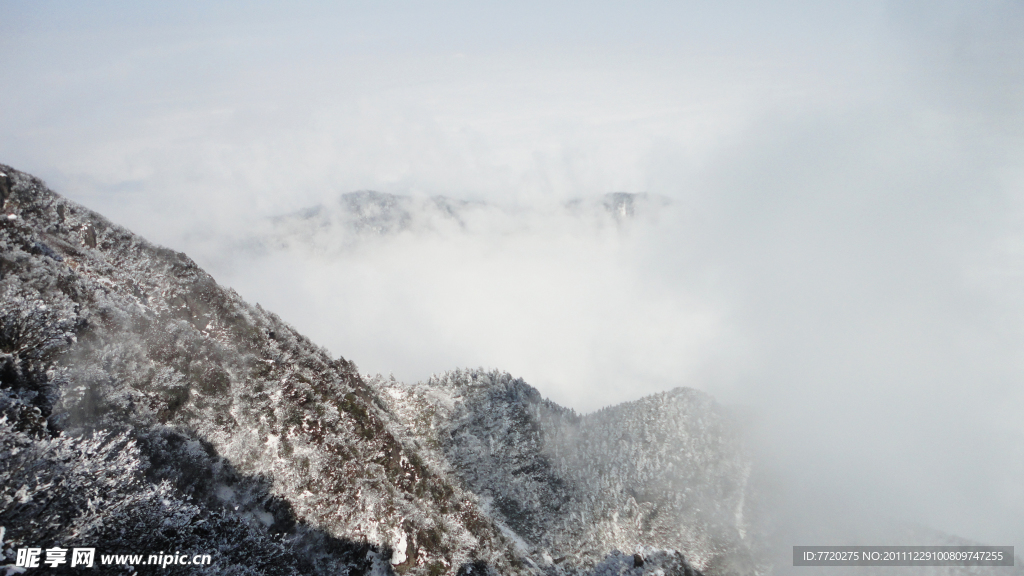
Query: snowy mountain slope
[
  {"x": 664, "y": 472},
  {"x": 661, "y": 475},
  {"x": 144, "y": 408},
  {"x": 225, "y": 407}
]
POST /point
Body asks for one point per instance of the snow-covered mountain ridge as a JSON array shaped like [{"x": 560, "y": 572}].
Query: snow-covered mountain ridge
[
  {"x": 145, "y": 408},
  {"x": 667, "y": 471},
  {"x": 253, "y": 439},
  {"x": 230, "y": 432}
]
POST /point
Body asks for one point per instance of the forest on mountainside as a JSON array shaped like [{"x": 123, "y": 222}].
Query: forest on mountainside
[{"x": 144, "y": 408}]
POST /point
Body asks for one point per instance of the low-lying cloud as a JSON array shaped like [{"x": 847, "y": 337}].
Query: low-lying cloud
[
  {"x": 840, "y": 257},
  {"x": 559, "y": 295}
]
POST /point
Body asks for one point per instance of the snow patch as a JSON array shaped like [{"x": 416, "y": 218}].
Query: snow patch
[{"x": 399, "y": 556}]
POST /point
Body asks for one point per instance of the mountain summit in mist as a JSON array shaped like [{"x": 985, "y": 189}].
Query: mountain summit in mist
[
  {"x": 144, "y": 408},
  {"x": 147, "y": 409},
  {"x": 365, "y": 215}
]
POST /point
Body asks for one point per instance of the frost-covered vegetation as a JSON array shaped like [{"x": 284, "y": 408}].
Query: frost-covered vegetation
[
  {"x": 665, "y": 472},
  {"x": 144, "y": 408},
  {"x": 117, "y": 354}
]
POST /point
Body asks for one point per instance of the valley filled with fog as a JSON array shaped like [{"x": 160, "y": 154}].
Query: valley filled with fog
[{"x": 813, "y": 215}]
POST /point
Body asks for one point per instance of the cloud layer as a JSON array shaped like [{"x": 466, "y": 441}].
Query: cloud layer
[{"x": 842, "y": 256}]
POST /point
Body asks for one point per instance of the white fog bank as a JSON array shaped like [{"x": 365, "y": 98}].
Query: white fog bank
[{"x": 841, "y": 256}]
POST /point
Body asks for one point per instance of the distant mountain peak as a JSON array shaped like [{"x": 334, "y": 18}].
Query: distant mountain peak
[{"x": 368, "y": 216}]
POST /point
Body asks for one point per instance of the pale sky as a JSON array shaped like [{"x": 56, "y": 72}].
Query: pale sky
[{"x": 843, "y": 256}]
